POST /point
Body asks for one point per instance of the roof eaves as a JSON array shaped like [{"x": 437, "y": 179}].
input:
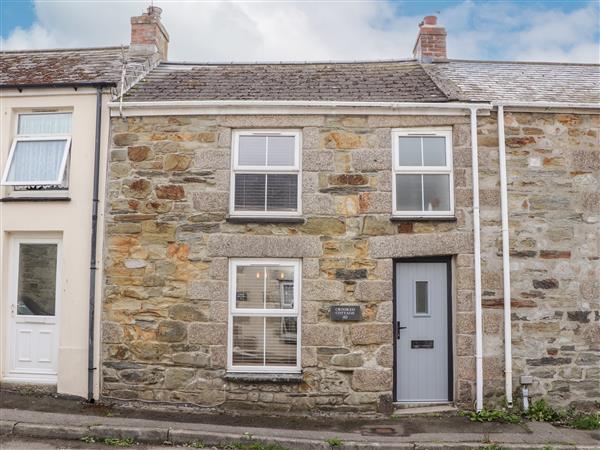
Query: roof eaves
[
  {"x": 59, "y": 85},
  {"x": 55, "y": 50}
]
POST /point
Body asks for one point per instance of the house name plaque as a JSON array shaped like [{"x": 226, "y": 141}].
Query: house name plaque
[{"x": 345, "y": 312}]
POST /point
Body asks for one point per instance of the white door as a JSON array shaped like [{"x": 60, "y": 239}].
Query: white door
[
  {"x": 422, "y": 333},
  {"x": 34, "y": 295}
]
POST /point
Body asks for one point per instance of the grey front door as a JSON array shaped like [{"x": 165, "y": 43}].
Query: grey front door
[{"x": 422, "y": 328}]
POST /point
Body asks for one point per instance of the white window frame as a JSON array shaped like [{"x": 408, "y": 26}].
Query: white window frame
[
  {"x": 37, "y": 137},
  {"x": 62, "y": 168},
  {"x": 278, "y": 170},
  {"x": 397, "y": 169},
  {"x": 234, "y": 311}
]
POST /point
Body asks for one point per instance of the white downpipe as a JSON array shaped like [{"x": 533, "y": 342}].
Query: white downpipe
[
  {"x": 477, "y": 264},
  {"x": 505, "y": 260}
]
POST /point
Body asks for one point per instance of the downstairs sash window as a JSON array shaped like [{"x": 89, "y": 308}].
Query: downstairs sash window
[{"x": 264, "y": 317}]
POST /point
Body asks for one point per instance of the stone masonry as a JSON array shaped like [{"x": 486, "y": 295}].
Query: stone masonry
[
  {"x": 169, "y": 240},
  {"x": 553, "y": 166}
]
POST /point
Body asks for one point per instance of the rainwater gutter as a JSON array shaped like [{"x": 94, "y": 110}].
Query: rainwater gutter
[
  {"x": 311, "y": 107},
  {"x": 548, "y": 106}
]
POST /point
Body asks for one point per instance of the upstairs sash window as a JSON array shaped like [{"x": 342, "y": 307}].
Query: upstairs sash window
[
  {"x": 266, "y": 173},
  {"x": 39, "y": 152},
  {"x": 422, "y": 178}
]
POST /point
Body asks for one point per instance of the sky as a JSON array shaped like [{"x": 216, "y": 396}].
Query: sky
[{"x": 311, "y": 30}]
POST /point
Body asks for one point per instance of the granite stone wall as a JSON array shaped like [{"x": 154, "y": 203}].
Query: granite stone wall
[
  {"x": 169, "y": 240},
  {"x": 553, "y": 166}
]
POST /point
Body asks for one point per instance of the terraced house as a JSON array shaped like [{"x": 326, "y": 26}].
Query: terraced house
[
  {"x": 54, "y": 133},
  {"x": 353, "y": 236}
]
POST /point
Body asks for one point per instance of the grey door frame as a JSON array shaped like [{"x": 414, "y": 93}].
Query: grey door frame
[{"x": 426, "y": 259}]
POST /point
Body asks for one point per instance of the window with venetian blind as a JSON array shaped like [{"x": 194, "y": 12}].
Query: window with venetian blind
[
  {"x": 422, "y": 172},
  {"x": 264, "y": 315},
  {"x": 266, "y": 173},
  {"x": 38, "y": 157}
]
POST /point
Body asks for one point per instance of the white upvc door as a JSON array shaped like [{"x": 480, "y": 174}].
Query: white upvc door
[{"x": 34, "y": 300}]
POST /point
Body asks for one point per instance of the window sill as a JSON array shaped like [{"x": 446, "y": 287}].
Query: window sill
[
  {"x": 253, "y": 377},
  {"x": 35, "y": 199},
  {"x": 423, "y": 218},
  {"x": 265, "y": 219}
]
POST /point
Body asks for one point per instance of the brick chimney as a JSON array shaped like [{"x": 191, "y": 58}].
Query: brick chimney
[
  {"x": 148, "y": 35},
  {"x": 431, "y": 41}
]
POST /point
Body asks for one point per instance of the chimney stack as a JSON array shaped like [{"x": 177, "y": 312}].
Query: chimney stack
[
  {"x": 431, "y": 41},
  {"x": 148, "y": 35}
]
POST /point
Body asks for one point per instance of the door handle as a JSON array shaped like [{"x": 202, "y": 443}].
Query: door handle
[{"x": 398, "y": 328}]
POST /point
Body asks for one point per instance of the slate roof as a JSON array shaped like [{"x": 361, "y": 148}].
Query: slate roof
[
  {"x": 382, "y": 81},
  {"x": 68, "y": 66},
  {"x": 373, "y": 81},
  {"x": 518, "y": 81}
]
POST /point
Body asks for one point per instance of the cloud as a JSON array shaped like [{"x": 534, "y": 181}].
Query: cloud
[
  {"x": 327, "y": 30},
  {"x": 517, "y": 31},
  {"x": 35, "y": 37}
]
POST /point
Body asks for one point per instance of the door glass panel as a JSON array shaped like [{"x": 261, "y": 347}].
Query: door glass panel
[
  {"x": 409, "y": 151},
  {"x": 36, "y": 289},
  {"x": 434, "y": 151},
  {"x": 421, "y": 298}
]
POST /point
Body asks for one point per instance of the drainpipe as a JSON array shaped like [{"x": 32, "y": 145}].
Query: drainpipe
[
  {"x": 93, "y": 267},
  {"x": 505, "y": 260},
  {"x": 477, "y": 257}
]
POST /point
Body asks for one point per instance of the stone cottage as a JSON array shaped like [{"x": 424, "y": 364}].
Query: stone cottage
[{"x": 354, "y": 236}]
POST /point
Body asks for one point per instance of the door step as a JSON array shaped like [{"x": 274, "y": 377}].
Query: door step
[{"x": 420, "y": 408}]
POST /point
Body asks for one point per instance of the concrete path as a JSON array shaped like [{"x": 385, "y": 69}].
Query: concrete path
[
  {"x": 27, "y": 443},
  {"x": 15, "y": 423}
]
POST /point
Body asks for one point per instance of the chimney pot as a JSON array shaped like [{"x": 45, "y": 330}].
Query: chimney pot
[
  {"x": 431, "y": 41},
  {"x": 430, "y": 20},
  {"x": 154, "y": 11}
]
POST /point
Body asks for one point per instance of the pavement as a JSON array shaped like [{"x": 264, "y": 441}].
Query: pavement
[{"x": 46, "y": 418}]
